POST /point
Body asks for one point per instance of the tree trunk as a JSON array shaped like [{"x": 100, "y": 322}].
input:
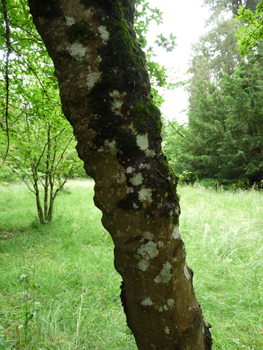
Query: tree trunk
[
  {"x": 36, "y": 192},
  {"x": 47, "y": 173},
  {"x": 50, "y": 209},
  {"x": 39, "y": 208},
  {"x": 105, "y": 94}
]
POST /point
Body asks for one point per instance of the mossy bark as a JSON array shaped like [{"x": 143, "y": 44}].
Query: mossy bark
[{"x": 105, "y": 94}]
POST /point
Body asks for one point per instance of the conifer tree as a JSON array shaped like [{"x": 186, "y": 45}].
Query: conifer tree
[{"x": 224, "y": 138}]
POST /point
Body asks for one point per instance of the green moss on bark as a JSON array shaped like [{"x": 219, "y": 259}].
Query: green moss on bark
[
  {"x": 148, "y": 117},
  {"x": 123, "y": 68}
]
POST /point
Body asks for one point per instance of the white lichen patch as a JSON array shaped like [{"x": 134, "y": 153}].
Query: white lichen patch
[
  {"x": 120, "y": 178},
  {"x": 176, "y": 233},
  {"x": 165, "y": 307},
  {"x": 116, "y": 104},
  {"x": 114, "y": 93},
  {"x": 104, "y": 33},
  {"x": 148, "y": 251},
  {"x": 167, "y": 330},
  {"x": 143, "y": 265},
  {"x": 135, "y": 206},
  {"x": 148, "y": 235},
  {"x": 69, "y": 21},
  {"x": 118, "y": 100},
  {"x": 142, "y": 142},
  {"x": 170, "y": 303},
  {"x": 92, "y": 79},
  {"x": 129, "y": 190},
  {"x": 165, "y": 274},
  {"x": 186, "y": 273},
  {"x": 137, "y": 179},
  {"x": 147, "y": 302},
  {"x": 160, "y": 309},
  {"x": 129, "y": 170},
  {"x": 145, "y": 166},
  {"x": 77, "y": 51},
  {"x": 112, "y": 146},
  {"x": 145, "y": 194},
  {"x": 150, "y": 153}
]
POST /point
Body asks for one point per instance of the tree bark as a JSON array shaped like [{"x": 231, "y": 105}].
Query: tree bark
[
  {"x": 105, "y": 94},
  {"x": 47, "y": 173}
]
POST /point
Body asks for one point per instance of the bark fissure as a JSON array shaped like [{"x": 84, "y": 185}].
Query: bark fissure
[{"x": 105, "y": 94}]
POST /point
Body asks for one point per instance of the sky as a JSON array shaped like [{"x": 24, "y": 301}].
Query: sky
[{"x": 186, "y": 20}]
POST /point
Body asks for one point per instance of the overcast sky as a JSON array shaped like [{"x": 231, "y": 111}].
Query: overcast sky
[{"x": 186, "y": 20}]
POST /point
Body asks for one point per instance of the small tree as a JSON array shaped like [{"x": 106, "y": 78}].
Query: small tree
[
  {"x": 42, "y": 156},
  {"x": 38, "y": 146}
]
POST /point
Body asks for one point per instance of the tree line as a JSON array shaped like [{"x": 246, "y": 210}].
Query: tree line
[{"x": 223, "y": 139}]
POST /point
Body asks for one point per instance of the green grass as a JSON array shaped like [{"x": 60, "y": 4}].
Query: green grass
[
  {"x": 72, "y": 288},
  {"x": 223, "y": 234}
]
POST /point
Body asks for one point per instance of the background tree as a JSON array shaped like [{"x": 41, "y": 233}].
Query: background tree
[
  {"x": 215, "y": 52},
  {"x": 105, "y": 94},
  {"x": 213, "y": 55},
  {"x": 42, "y": 155},
  {"x": 224, "y": 138},
  {"x": 38, "y": 141}
]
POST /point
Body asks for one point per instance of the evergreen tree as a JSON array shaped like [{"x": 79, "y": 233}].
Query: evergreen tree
[
  {"x": 215, "y": 52},
  {"x": 224, "y": 138},
  {"x": 242, "y": 149}
]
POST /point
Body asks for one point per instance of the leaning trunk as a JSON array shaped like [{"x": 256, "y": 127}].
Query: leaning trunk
[{"x": 105, "y": 94}]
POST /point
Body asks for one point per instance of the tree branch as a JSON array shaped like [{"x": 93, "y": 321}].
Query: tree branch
[{"x": 7, "y": 35}]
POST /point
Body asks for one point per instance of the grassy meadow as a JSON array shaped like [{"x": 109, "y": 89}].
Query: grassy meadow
[{"x": 59, "y": 289}]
